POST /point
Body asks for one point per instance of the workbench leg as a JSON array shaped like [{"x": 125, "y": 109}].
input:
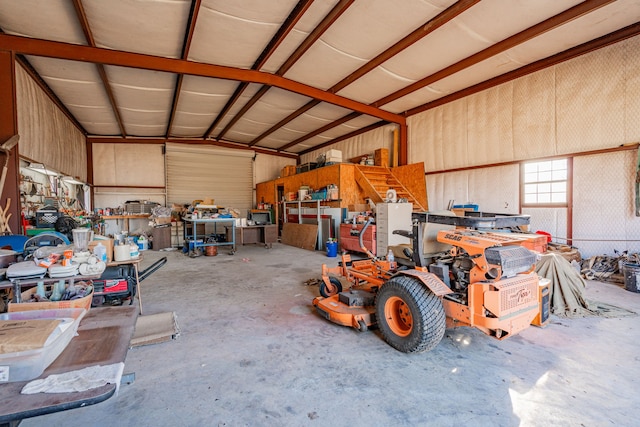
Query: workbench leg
[{"x": 135, "y": 267}]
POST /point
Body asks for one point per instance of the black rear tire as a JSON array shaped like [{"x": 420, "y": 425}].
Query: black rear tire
[{"x": 410, "y": 316}]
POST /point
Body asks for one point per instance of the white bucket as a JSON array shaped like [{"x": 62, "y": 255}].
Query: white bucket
[
  {"x": 121, "y": 253},
  {"x": 302, "y": 194}
]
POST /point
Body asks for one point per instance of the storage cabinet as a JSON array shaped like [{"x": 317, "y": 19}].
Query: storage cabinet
[
  {"x": 350, "y": 240},
  {"x": 390, "y": 217}
]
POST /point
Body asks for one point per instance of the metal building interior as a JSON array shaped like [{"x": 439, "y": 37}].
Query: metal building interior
[{"x": 472, "y": 89}]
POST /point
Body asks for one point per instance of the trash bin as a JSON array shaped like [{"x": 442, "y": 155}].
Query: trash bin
[{"x": 332, "y": 249}]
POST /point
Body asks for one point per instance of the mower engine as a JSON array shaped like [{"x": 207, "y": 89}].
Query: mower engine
[{"x": 492, "y": 274}]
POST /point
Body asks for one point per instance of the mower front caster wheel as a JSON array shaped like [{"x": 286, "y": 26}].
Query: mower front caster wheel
[{"x": 336, "y": 287}]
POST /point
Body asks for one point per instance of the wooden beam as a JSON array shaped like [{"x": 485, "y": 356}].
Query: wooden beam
[
  {"x": 318, "y": 31},
  {"x": 53, "y": 49},
  {"x": 506, "y": 44}
]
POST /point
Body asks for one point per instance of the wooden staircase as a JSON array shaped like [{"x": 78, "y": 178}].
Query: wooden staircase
[{"x": 376, "y": 180}]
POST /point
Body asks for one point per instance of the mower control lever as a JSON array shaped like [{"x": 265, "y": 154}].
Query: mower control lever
[{"x": 404, "y": 233}]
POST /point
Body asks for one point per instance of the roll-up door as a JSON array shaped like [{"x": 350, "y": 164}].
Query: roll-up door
[{"x": 198, "y": 173}]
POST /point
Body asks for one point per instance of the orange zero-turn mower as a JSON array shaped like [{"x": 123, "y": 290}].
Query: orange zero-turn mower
[{"x": 486, "y": 280}]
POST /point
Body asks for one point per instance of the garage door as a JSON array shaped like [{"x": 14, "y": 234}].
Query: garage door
[{"x": 197, "y": 173}]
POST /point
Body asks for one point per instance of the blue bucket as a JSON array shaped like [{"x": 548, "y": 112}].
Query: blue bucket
[{"x": 332, "y": 249}]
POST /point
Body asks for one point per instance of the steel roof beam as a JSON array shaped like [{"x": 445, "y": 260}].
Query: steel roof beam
[
  {"x": 422, "y": 31},
  {"x": 277, "y": 39},
  {"x": 317, "y": 32},
  {"x": 60, "y": 50},
  {"x": 86, "y": 29},
  {"x": 191, "y": 26}
]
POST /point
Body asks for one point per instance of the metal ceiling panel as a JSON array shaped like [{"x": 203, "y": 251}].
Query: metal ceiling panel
[
  {"x": 41, "y": 19},
  {"x": 591, "y": 26},
  {"x": 149, "y": 27},
  {"x": 250, "y": 91},
  {"x": 144, "y": 99},
  {"x": 312, "y": 17},
  {"x": 234, "y": 33},
  {"x": 365, "y": 29},
  {"x": 80, "y": 89},
  {"x": 200, "y": 100}
]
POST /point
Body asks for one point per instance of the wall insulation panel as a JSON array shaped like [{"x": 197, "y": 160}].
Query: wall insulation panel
[
  {"x": 494, "y": 189},
  {"x": 365, "y": 143},
  {"x": 590, "y": 100},
  {"x": 489, "y": 125},
  {"x": 534, "y": 126},
  {"x": 197, "y": 173},
  {"x": 551, "y": 220},
  {"x": 122, "y": 171},
  {"x": 47, "y": 136},
  {"x": 269, "y": 167},
  {"x": 604, "y": 204}
]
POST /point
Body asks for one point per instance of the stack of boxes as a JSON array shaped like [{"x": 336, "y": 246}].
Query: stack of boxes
[{"x": 333, "y": 156}]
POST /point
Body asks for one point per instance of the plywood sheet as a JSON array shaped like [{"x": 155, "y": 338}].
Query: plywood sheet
[
  {"x": 412, "y": 177},
  {"x": 302, "y": 236}
]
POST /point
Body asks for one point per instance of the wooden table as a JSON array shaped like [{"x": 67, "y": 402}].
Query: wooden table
[
  {"x": 125, "y": 218},
  {"x": 103, "y": 338}
]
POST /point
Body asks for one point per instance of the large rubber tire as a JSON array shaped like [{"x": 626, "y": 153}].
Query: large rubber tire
[
  {"x": 410, "y": 316},
  {"x": 327, "y": 292}
]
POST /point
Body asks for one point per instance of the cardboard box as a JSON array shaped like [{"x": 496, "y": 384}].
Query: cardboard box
[
  {"x": 163, "y": 220},
  {"x": 358, "y": 207},
  {"x": 84, "y": 302},
  {"x": 381, "y": 157},
  {"x": 334, "y": 154},
  {"x": 107, "y": 242},
  {"x": 288, "y": 171}
]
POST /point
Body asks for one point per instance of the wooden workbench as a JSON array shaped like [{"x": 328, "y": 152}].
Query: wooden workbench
[{"x": 103, "y": 338}]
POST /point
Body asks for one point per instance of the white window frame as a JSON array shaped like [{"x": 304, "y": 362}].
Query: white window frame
[{"x": 545, "y": 183}]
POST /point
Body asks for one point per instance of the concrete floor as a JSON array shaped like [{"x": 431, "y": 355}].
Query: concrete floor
[{"x": 252, "y": 352}]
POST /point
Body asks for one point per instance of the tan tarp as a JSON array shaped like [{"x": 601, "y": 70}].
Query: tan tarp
[{"x": 567, "y": 290}]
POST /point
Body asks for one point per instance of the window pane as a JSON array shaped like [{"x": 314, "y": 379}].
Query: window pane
[
  {"x": 545, "y": 182},
  {"x": 559, "y": 164},
  {"x": 559, "y": 175},
  {"x": 544, "y": 176},
  {"x": 544, "y": 188},
  {"x": 531, "y": 188},
  {"x": 544, "y": 166},
  {"x": 558, "y": 197}
]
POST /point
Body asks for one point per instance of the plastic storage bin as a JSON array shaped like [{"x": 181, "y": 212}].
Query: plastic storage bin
[{"x": 29, "y": 364}]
